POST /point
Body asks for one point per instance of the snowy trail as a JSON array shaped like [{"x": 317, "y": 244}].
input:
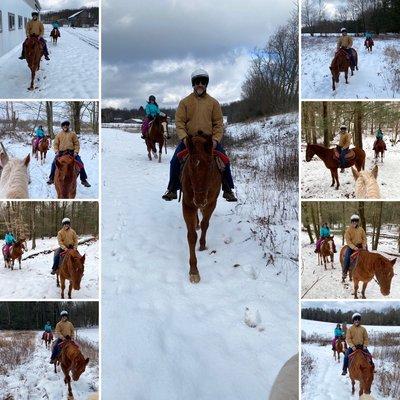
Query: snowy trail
[
  {"x": 36, "y": 380},
  {"x": 71, "y": 73},
  {"x": 371, "y": 81},
  {"x": 192, "y": 337}
]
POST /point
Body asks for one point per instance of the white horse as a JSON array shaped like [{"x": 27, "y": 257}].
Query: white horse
[
  {"x": 286, "y": 385},
  {"x": 366, "y": 185}
]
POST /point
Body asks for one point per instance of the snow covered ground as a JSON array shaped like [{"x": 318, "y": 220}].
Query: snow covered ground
[
  {"x": 194, "y": 338},
  {"x": 316, "y": 178},
  {"x": 35, "y": 379},
  {"x": 39, "y": 174},
  {"x": 89, "y": 334},
  {"x": 34, "y": 281},
  {"x": 71, "y": 73},
  {"x": 329, "y": 285},
  {"x": 373, "y": 80}
]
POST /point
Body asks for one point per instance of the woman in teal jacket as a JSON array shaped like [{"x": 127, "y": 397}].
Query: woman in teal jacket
[
  {"x": 379, "y": 136},
  {"x": 39, "y": 134},
  {"x": 10, "y": 240},
  {"x": 152, "y": 111},
  {"x": 338, "y": 334},
  {"x": 324, "y": 233}
]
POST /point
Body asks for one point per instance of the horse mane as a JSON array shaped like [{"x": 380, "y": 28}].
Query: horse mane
[
  {"x": 376, "y": 260},
  {"x": 367, "y": 186},
  {"x": 14, "y": 180}
]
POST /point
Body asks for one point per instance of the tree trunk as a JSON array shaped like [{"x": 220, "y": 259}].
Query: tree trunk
[{"x": 49, "y": 114}]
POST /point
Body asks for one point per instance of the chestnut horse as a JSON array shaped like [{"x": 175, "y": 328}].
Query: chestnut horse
[
  {"x": 47, "y": 338},
  {"x": 55, "y": 34},
  {"x": 379, "y": 148},
  {"x": 71, "y": 268},
  {"x": 368, "y": 43},
  {"x": 42, "y": 148},
  {"x": 65, "y": 177},
  {"x": 71, "y": 361},
  {"x": 33, "y": 55},
  {"x": 158, "y": 132},
  {"x": 326, "y": 252},
  {"x": 201, "y": 184},
  {"x": 361, "y": 369},
  {"x": 327, "y": 156},
  {"x": 341, "y": 63},
  {"x": 339, "y": 348},
  {"x": 16, "y": 251},
  {"x": 370, "y": 265}
]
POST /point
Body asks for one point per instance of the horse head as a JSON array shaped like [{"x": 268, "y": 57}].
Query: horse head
[
  {"x": 310, "y": 152},
  {"x": 76, "y": 267},
  {"x": 384, "y": 274},
  {"x": 78, "y": 365},
  {"x": 66, "y": 173}
]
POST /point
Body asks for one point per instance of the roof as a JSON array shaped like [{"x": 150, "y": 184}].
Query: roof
[
  {"x": 74, "y": 15},
  {"x": 34, "y": 4}
]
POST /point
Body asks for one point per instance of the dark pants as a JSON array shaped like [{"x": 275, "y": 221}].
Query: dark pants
[
  {"x": 82, "y": 172},
  {"x": 352, "y": 61},
  {"x": 175, "y": 168},
  {"x": 44, "y": 45},
  {"x": 342, "y": 156},
  {"x": 56, "y": 349},
  {"x": 346, "y": 261},
  {"x": 56, "y": 259},
  {"x": 346, "y": 357}
]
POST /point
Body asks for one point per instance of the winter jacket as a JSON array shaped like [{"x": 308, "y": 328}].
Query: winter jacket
[
  {"x": 324, "y": 232},
  {"x": 9, "y": 238},
  {"x": 368, "y": 35},
  {"x": 357, "y": 335},
  {"x": 345, "y": 41},
  {"x": 199, "y": 113},
  {"x": 34, "y": 28},
  {"x": 338, "y": 332},
  {"x": 355, "y": 236},
  {"x": 67, "y": 238},
  {"x": 66, "y": 141},
  {"x": 345, "y": 140},
  {"x": 55, "y": 25},
  {"x": 64, "y": 329},
  {"x": 39, "y": 133},
  {"x": 379, "y": 134},
  {"x": 152, "y": 110},
  {"x": 47, "y": 328}
]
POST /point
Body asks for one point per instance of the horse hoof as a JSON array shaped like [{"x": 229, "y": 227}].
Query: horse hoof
[
  {"x": 202, "y": 248},
  {"x": 194, "y": 278}
]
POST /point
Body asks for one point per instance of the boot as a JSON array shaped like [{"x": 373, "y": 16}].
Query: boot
[
  {"x": 53, "y": 272},
  {"x": 170, "y": 195},
  {"x": 50, "y": 181},
  {"x": 47, "y": 58},
  {"x": 316, "y": 251},
  {"x": 341, "y": 170},
  {"x": 86, "y": 183},
  {"x": 229, "y": 195},
  {"x": 344, "y": 372}
]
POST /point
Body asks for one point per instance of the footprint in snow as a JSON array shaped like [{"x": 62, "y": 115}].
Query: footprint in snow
[{"x": 252, "y": 319}]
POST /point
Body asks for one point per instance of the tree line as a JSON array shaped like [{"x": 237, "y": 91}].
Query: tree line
[
  {"x": 50, "y": 16},
  {"x": 31, "y": 315},
  {"x": 111, "y": 114}
]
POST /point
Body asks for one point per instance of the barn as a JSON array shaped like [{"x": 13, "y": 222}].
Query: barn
[
  {"x": 84, "y": 18},
  {"x": 14, "y": 14}
]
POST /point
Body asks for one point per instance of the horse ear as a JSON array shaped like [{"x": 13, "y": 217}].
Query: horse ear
[
  {"x": 356, "y": 174},
  {"x": 375, "y": 171},
  {"x": 87, "y": 361},
  {"x": 3, "y": 159},
  {"x": 27, "y": 160},
  {"x": 393, "y": 261}
]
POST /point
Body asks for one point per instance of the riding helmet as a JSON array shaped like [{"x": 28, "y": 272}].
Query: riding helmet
[
  {"x": 65, "y": 123},
  {"x": 63, "y": 312},
  {"x": 343, "y": 127},
  {"x": 66, "y": 221},
  {"x": 152, "y": 97},
  {"x": 343, "y": 30},
  {"x": 356, "y": 316},
  {"x": 200, "y": 73},
  {"x": 354, "y": 217},
  {"x": 35, "y": 13}
]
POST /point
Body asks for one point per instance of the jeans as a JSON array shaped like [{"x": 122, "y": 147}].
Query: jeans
[
  {"x": 56, "y": 259},
  {"x": 342, "y": 157},
  {"x": 347, "y": 260},
  {"x": 82, "y": 172},
  {"x": 56, "y": 349},
  {"x": 352, "y": 61}
]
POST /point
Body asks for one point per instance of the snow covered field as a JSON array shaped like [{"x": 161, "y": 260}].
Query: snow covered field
[
  {"x": 194, "y": 338},
  {"x": 34, "y": 281},
  {"x": 35, "y": 379},
  {"x": 373, "y": 80},
  {"x": 316, "y": 178},
  {"x": 71, "y": 73},
  {"x": 39, "y": 174}
]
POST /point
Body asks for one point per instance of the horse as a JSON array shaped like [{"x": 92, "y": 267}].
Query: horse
[
  {"x": 368, "y": 43},
  {"x": 379, "y": 147},
  {"x": 158, "y": 132},
  {"x": 369, "y": 265},
  {"x": 55, "y": 34},
  {"x": 71, "y": 268},
  {"x": 16, "y": 251},
  {"x": 360, "y": 369},
  {"x": 326, "y": 252},
  {"x": 33, "y": 55},
  {"x": 366, "y": 185},
  {"x": 42, "y": 148},
  {"x": 327, "y": 156},
  {"x": 339, "y": 348},
  {"x": 65, "y": 177},
  {"x": 47, "y": 338},
  {"x": 341, "y": 63},
  {"x": 71, "y": 361},
  {"x": 201, "y": 183}
]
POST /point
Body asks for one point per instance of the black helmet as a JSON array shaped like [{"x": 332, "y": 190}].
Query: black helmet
[
  {"x": 152, "y": 97},
  {"x": 35, "y": 13},
  {"x": 65, "y": 123}
]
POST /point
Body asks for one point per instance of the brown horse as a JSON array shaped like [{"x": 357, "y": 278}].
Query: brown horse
[
  {"x": 71, "y": 268},
  {"x": 201, "y": 184},
  {"x": 33, "y": 55},
  {"x": 360, "y": 369},
  {"x": 370, "y": 265},
  {"x": 368, "y": 43},
  {"x": 328, "y": 157},
  {"x": 379, "y": 148},
  {"x": 47, "y": 338},
  {"x": 71, "y": 361},
  {"x": 42, "y": 148},
  {"x": 65, "y": 177},
  {"x": 326, "y": 252},
  {"x": 158, "y": 132},
  {"x": 16, "y": 251},
  {"x": 339, "y": 348},
  {"x": 55, "y": 34},
  {"x": 341, "y": 63}
]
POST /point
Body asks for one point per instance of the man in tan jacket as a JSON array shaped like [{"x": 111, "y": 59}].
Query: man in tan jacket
[
  {"x": 63, "y": 329},
  {"x": 198, "y": 112},
  {"x": 345, "y": 42},
  {"x": 67, "y": 239},
  {"x": 67, "y": 142},
  {"x": 343, "y": 146},
  {"x": 35, "y": 27}
]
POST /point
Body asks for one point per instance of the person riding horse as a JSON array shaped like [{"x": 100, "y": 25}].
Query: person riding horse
[
  {"x": 338, "y": 334},
  {"x": 356, "y": 337},
  {"x": 378, "y": 136},
  {"x": 67, "y": 142},
  {"x": 343, "y": 146},
  {"x": 47, "y": 327},
  {"x": 35, "y": 27},
  {"x": 63, "y": 329},
  {"x": 67, "y": 239},
  {"x": 9, "y": 241},
  {"x": 39, "y": 135},
  {"x": 368, "y": 37},
  {"x": 355, "y": 238},
  {"x": 152, "y": 110},
  {"x": 345, "y": 42},
  {"x": 56, "y": 27},
  {"x": 324, "y": 233},
  {"x": 198, "y": 112}
]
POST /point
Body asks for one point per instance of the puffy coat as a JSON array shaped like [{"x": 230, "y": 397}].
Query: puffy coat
[{"x": 152, "y": 110}]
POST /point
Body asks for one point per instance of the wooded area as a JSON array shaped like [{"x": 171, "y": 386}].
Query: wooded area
[
  {"x": 33, "y": 315},
  {"x": 322, "y": 120},
  {"x": 358, "y": 16},
  {"x": 337, "y": 215}
]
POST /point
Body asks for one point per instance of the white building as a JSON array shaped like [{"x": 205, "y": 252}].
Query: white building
[{"x": 14, "y": 14}]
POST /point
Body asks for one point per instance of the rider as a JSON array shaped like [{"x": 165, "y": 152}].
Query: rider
[
  {"x": 10, "y": 240},
  {"x": 39, "y": 134},
  {"x": 345, "y": 42},
  {"x": 67, "y": 239},
  {"x": 343, "y": 146},
  {"x": 324, "y": 232},
  {"x": 338, "y": 333},
  {"x": 152, "y": 111},
  {"x": 35, "y": 27},
  {"x": 47, "y": 327},
  {"x": 63, "y": 329},
  {"x": 356, "y": 337},
  {"x": 379, "y": 136},
  {"x": 198, "y": 112},
  {"x": 355, "y": 238},
  {"x": 67, "y": 142}
]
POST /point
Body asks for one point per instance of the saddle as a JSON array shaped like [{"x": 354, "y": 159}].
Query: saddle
[
  {"x": 349, "y": 156},
  {"x": 354, "y": 259},
  {"x": 221, "y": 159},
  {"x": 367, "y": 356}
]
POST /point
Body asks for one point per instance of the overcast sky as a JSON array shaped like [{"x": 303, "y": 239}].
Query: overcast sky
[
  {"x": 153, "y": 47},
  {"x": 63, "y": 4},
  {"x": 350, "y": 305}
]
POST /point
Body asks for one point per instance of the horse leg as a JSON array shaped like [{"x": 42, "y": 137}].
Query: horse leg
[
  {"x": 333, "y": 83},
  {"x": 159, "y": 152},
  {"x": 62, "y": 287},
  {"x": 337, "y": 178},
  {"x": 70, "y": 289},
  {"x": 332, "y": 256},
  {"x": 190, "y": 216},
  {"x": 19, "y": 260},
  {"x": 33, "y": 72},
  {"x": 353, "y": 389},
  {"x": 58, "y": 282},
  {"x": 324, "y": 258},
  {"x": 364, "y": 287},
  {"x": 355, "y": 288},
  {"x": 346, "y": 75},
  {"x": 333, "y": 178}
]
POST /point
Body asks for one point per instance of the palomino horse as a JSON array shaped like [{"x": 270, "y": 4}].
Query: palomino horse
[
  {"x": 367, "y": 266},
  {"x": 47, "y": 338},
  {"x": 341, "y": 63},
  {"x": 42, "y": 148},
  {"x": 158, "y": 132},
  {"x": 71, "y": 268},
  {"x": 71, "y": 361},
  {"x": 361, "y": 369},
  {"x": 379, "y": 148},
  {"x": 65, "y": 177},
  {"x": 368, "y": 43},
  {"x": 366, "y": 185},
  {"x": 339, "y": 348},
  {"x": 16, "y": 251},
  {"x": 327, "y": 156},
  {"x": 33, "y": 55},
  {"x": 326, "y": 252},
  {"x": 55, "y": 34},
  {"x": 201, "y": 184}
]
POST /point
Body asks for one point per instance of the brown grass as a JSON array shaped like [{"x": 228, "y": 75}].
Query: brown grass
[{"x": 307, "y": 366}]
